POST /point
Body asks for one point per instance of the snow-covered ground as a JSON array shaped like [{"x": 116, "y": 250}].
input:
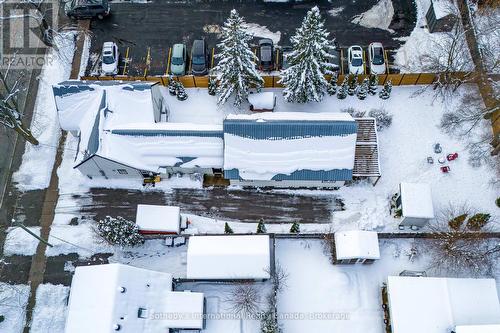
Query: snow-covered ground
[
  {"x": 13, "y": 301},
  {"x": 37, "y": 162},
  {"x": 487, "y": 30},
  {"x": 379, "y": 16},
  {"x": 422, "y": 48},
  {"x": 49, "y": 314}
]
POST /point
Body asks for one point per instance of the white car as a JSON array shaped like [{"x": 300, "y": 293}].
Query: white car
[
  {"x": 355, "y": 59},
  {"x": 376, "y": 58},
  {"x": 110, "y": 56}
]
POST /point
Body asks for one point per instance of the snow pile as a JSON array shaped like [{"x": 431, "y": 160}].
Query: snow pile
[
  {"x": 334, "y": 12},
  {"x": 50, "y": 310},
  {"x": 13, "y": 301},
  {"x": 38, "y": 161},
  {"x": 19, "y": 242},
  {"x": 256, "y": 30},
  {"x": 379, "y": 16}
]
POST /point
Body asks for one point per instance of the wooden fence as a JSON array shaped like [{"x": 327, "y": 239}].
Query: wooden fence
[{"x": 190, "y": 81}]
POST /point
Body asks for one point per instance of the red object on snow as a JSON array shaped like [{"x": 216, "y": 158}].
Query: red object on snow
[
  {"x": 451, "y": 157},
  {"x": 445, "y": 169}
]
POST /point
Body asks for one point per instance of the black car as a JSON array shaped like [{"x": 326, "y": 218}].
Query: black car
[
  {"x": 84, "y": 9},
  {"x": 199, "y": 58},
  {"x": 266, "y": 53}
]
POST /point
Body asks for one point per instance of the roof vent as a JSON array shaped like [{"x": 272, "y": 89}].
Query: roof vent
[
  {"x": 122, "y": 289},
  {"x": 117, "y": 327}
]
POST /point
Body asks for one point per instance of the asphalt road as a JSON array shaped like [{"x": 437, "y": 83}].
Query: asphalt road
[{"x": 155, "y": 26}]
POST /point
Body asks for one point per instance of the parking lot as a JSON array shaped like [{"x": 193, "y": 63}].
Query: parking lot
[{"x": 144, "y": 52}]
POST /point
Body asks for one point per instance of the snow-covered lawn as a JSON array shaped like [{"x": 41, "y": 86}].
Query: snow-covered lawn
[
  {"x": 347, "y": 297},
  {"x": 19, "y": 242},
  {"x": 13, "y": 301},
  {"x": 37, "y": 162},
  {"x": 50, "y": 310}
]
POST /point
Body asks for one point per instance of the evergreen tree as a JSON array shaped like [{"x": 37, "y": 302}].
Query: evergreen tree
[
  {"x": 372, "y": 89},
  {"x": 118, "y": 231},
  {"x": 212, "y": 86},
  {"x": 261, "y": 227},
  {"x": 172, "y": 86},
  {"x": 385, "y": 93},
  {"x": 331, "y": 89},
  {"x": 304, "y": 80},
  {"x": 236, "y": 71},
  {"x": 181, "y": 92},
  {"x": 353, "y": 85},
  {"x": 363, "y": 89},
  {"x": 295, "y": 229},
  {"x": 342, "y": 93},
  {"x": 228, "y": 229}
]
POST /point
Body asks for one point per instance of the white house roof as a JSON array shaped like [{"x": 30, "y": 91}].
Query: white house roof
[
  {"x": 416, "y": 200},
  {"x": 158, "y": 218},
  {"x": 228, "y": 257},
  {"x": 437, "y": 305},
  {"x": 102, "y": 296},
  {"x": 477, "y": 329},
  {"x": 356, "y": 244}
]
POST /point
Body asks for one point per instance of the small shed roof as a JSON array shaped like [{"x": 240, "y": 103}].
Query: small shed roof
[
  {"x": 443, "y": 8},
  {"x": 436, "y": 305},
  {"x": 228, "y": 257},
  {"x": 262, "y": 101},
  {"x": 158, "y": 218},
  {"x": 357, "y": 244},
  {"x": 416, "y": 200}
]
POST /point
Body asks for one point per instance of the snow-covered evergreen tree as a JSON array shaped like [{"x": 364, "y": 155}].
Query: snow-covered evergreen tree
[
  {"x": 385, "y": 93},
  {"x": 212, "y": 86},
  {"x": 372, "y": 90},
  {"x": 236, "y": 71},
  {"x": 331, "y": 89},
  {"x": 353, "y": 85},
  {"x": 295, "y": 229},
  {"x": 304, "y": 80},
  {"x": 363, "y": 90},
  {"x": 261, "y": 227},
  {"x": 181, "y": 92},
  {"x": 118, "y": 231},
  {"x": 228, "y": 229},
  {"x": 172, "y": 86},
  {"x": 342, "y": 93}
]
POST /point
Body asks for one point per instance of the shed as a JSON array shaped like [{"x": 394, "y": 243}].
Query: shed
[
  {"x": 262, "y": 102},
  {"x": 414, "y": 204},
  {"x": 155, "y": 219},
  {"x": 441, "y": 16},
  {"x": 227, "y": 258},
  {"x": 437, "y": 305},
  {"x": 356, "y": 246},
  {"x": 116, "y": 297}
]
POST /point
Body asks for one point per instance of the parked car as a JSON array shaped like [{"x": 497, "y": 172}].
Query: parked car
[
  {"x": 376, "y": 58},
  {"x": 85, "y": 9},
  {"x": 178, "y": 64},
  {"x": 355, "y": 59},
  {"x": 199, "y": 57},
  {"x": 285, "y": 52},
  {"x": 266, "y": 53},
  {"x": 110, "y": 58}
]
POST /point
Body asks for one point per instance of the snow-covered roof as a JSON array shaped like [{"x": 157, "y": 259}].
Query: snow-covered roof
[
  {"x": 289, "y": 145},
  {"x": 151, "y": 218},
  {"x": 477, "y": 329},
  {"x": 228, "y": 257},
  {"x": 262, "y": 101},
  {"x": 437, "y": 305},
  {"x": 356, "y": 244},
  {"x": 103, "y": 296},
  {"x": 416, "y": 200},
  {"x": 443, "y": 8}
]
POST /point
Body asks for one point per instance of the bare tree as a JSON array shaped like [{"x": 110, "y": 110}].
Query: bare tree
[
  {"x": 460, "y": 244},
  {"x": 244, "y": 299}
]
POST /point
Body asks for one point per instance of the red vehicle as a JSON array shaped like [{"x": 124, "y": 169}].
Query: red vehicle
[
  {"x": 451, "y": 157},
  {"x": 445, "y": 169}
]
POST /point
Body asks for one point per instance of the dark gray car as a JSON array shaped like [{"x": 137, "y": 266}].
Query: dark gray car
[
  {"x": 84, "y": 9},
  {"x": 199, "y": 57}
]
